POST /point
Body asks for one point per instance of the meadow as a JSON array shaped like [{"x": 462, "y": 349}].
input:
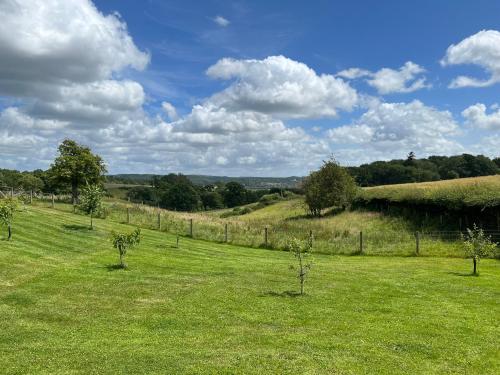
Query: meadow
[
  {"x": 216, "y": 308},
  {"x": 451, "y": 194}
]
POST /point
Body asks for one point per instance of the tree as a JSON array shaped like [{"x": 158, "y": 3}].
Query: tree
[
  {"x": 302, "y": 253},
  {"x": 123, "y": 241},
  {"x": 211, "y": 200},
  {"x": 477, "y": 245},
  {"x": 330, "y": 186},
  {"x": 76, "y": 165},
  {"x": 91, "y": 202},
  {"x": 410, "y": 159},
  {"x": 7, "y": 208},
  {"x": 234, "y": 194}
]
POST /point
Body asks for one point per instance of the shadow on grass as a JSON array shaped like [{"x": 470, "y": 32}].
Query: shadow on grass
[
  {"x": 464, "y": 274},
  {"x": 116, "y": 267},
  {"x": 286, "y": 293},
  {"x": 76, "y": 227}
]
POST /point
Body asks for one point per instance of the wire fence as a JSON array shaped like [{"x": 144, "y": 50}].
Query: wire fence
[{"x": 273, "y": 236}]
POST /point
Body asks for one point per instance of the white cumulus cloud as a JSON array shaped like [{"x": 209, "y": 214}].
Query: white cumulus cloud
[
  {"x": 476, "y": 116},
  {"x": 481, "y": 49},
  {"x": 393, "y": 129},
  {"x": 281, "y": 86},
  {"x": 387, "y": 81}
]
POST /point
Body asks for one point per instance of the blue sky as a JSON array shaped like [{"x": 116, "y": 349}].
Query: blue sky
[{"x": 284, "y": 99}]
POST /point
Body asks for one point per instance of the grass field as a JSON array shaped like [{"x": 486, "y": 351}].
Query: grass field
[
  {"x": 217, "y": 308},
  {"x": 336, "y": 233},
  {"x": 453, "y": 194}
]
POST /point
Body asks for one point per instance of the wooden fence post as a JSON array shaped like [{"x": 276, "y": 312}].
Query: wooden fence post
[
  {"x": 417, "y": 243},
  {"x": 191, "y": 228},
  {"x": 53, "y": 201},
  {"x": 128, "y": 215},
  {"x": 310, "y": 238},
  {"x": 265, "y": 236},
  {"x": 361, "y": 242},
  {"x": 159, "y": 221},
  {"x": 225, "y": 232}
]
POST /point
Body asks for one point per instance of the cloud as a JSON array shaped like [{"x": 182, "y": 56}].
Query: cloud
[
  {"x": 354, "y": 73},
  {"x": 282, "y": 87},
  {"x": 387, "y": 81},
  {"x": 476, "y": 116},
  {"x": 55, "y": 42},
  {"x": 481, "y": 49},
  {"x": 392, "y": 129},
  {"x": 170, "y": 111},
  {"x": 221, "y": 21}
]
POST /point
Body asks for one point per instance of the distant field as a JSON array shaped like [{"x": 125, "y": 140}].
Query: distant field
[
  {"x": 453, "y": 194},
  {"x": 221, "y": 309}
]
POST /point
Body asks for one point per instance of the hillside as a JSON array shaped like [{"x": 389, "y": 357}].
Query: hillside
[
  {"x": 213, "y": 308},
  {"x": 452, "y": 194},
  {"x": 201, "y": 180}
]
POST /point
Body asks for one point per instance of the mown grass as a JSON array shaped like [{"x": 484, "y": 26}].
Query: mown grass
[
  {"x": 216, "y": 308},
  {"x": 452, "y": 194}
]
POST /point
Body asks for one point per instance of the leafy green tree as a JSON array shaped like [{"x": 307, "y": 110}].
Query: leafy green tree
[
  {"x": 30, "y": 182},
  {"x": 123, "y": 241},
  {"x": 211, "y": 200},
  {"x": 477, "y": 245},
  {"x": 234, "y": 194},
  {"x": 7, "y": 209},
  {"x": 330, "y": 186},
  {"x": 302, "y": 253},
  {"x": 91, "y": 201},
  {"x": 76, "y": 165}
]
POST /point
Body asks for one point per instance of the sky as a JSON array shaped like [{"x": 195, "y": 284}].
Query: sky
[{"x": 247, "y": 88}]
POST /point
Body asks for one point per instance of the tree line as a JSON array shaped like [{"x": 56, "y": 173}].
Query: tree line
[
  {"x": 433, "y": 168},
  {"x": 178, "y": 192}
]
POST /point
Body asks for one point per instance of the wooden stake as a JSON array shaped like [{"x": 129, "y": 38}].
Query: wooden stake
[
  {"x": 159, "y": 221},
  {"x": 361, "y": 242},
  {"x": 191, "y": 228},
  {"x": 417, "y": 242},
  {"x": 265, "y": 236},
  {"x": 225, "y": 232}
]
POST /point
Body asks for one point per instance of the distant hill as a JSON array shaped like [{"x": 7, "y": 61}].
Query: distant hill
[{"x": 248, "y": 182}]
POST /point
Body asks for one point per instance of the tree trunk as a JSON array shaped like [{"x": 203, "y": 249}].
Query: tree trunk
[
  {"x": 9, "y": 230},
  {"x": 74, "y": 192},
  {"x": 475, "y": 265}
]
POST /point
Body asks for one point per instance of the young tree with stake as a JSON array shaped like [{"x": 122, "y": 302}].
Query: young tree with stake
[
  {"x": 477, "y": 245},
  {"x": 123, "y": 241},
  {"x": 7, "y": 208},
  {"x": 302, "y": 253},
  {"x": 91, "y": 201}
]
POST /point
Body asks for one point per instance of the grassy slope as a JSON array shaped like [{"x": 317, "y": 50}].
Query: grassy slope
[
  {"x": 475, "y": 191},
  {"x": 211, "y": 308}
]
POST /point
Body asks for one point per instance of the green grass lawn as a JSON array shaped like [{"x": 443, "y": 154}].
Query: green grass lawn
[{"x": 215, "y": 308}]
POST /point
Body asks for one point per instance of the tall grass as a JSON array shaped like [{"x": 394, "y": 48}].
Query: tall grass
[{"x": 451, "y": 194}]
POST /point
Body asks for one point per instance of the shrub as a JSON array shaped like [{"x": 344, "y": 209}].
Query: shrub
[
  {"x": 122, "y": 242},
  {"x": 7, "y": 208},
  {"x": 477, "y": 245},
  {"x": 301, "y": 250},
  {"x": 91, "y": 201}
]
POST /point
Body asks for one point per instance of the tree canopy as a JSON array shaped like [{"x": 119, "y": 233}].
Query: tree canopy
[
  {"x": 76, "y": 165},
  {"x": 330, "y": 186}
]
